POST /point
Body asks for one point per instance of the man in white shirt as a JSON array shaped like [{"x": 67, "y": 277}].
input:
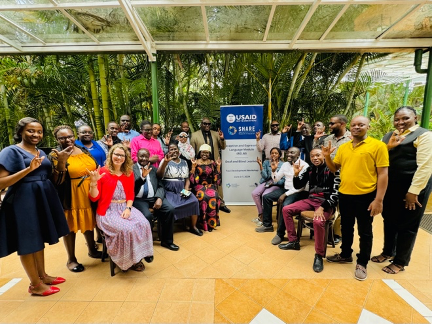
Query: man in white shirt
[
  {"x": 150, "y": 193},
  {"x": 291, "y": 194}
]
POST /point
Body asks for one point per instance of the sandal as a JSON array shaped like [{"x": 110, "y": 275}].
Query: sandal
[
  {"x": 389, "y": 270},
  {"x": 381, "y": 258},
  {"x": 138, "y": 267}
]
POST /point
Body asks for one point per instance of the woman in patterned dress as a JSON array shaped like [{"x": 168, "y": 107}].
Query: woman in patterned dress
[
  {"x": 127, "y": 232},
  {"x": 205, "y": 177}
]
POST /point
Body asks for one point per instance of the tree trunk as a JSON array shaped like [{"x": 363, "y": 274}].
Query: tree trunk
[
  {"x": 182, "y": 96},
  {"x": 100, "y": 130},
  {"x": 293, "y": 82},
  {"x": 351, "y": 96},
  {"x": 6, "y": 112},
  {"x": 104, "y": 90}
]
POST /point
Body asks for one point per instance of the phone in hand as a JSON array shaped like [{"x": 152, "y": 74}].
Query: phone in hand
[{"x": 185, "y": 193}]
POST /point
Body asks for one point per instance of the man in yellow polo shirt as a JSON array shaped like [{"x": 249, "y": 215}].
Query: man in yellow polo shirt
[{"x": 363, "y": 162}]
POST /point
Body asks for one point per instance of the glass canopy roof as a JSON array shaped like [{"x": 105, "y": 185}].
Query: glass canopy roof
[{"x": 79, "y": 26}]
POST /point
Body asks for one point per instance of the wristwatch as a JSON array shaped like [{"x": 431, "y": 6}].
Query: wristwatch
[{"x": 130, "y": 208}]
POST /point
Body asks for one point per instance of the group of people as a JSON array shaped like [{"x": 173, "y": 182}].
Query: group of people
[
  {"x": 353, "y": 173},
  {"x": 117, "y": 186}
]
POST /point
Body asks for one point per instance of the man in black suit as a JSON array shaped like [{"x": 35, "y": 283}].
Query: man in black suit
[{"x": 150, "y": 193}]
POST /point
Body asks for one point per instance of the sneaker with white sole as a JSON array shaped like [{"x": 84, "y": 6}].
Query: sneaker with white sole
[
  {"x": 360, "y": 272},
  {"x": 263, "y": 229}
]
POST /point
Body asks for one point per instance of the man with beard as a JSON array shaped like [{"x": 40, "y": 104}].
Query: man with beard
[
  {"x": 287, "y": 195},
  {"x": 269, "y": 140},
  {"x": 364, "y": 165},
  {"x": 216, "y": 140},
  {"x": 85, "y": 138},
  {"x": 323, "y": 198},
  {"x": 126, "y": 132},
  {"x": 110, "y": 138}
]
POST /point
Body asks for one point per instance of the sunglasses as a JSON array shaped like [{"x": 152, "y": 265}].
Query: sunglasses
[
  {"x": 331, "y": 123},
  {"x": 275, "y": 125},
  {"x": 206, "y": 124},
  {"x": 181, "y": 136}
]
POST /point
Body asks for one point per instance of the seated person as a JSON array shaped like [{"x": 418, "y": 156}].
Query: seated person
[
  {"x": 266, "y": 183},
  {"x": 149, "y": 193},
  {"x": 128, "y": 235},
  {"x": 205, "y": 177},
  {"x": 323, "y": 199},
  {"x": 288, "y": 194},
  {"x": 174, "y": 173}
]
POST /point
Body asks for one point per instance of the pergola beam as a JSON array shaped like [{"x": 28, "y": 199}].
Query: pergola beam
[
  {"x": 22, "y": 29},
  {"x": 269, "y": 22},
  {"x": 305, "y": 21},
  {"x": 11, "y": 43}
]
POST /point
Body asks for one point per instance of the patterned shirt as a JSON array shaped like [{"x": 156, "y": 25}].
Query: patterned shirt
[{"x": 336, "y": 142}]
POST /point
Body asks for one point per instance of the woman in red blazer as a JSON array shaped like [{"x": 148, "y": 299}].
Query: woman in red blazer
[{"x": 127, "y": 232}]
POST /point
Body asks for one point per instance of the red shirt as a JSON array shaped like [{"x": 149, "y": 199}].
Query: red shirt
[{"x": 106, "y": 186}]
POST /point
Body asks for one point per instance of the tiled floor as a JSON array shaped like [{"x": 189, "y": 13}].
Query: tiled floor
[{"x": 232, "y": 275}]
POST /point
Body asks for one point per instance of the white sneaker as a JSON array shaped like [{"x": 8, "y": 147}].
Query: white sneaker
[
  {"x": 259, "y": 223},
  {"x": 255, "y": 220}
]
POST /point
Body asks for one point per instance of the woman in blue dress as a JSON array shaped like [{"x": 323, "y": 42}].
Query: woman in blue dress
[{"x": 31, "y": 213}]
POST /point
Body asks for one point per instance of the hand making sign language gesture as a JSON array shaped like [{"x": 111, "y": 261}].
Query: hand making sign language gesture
[
  {"x": 95, "y": 176},
  {"x": 260, "y": 163},
  {"x": 300, "y": 123},
  {"x": 286, "y": 128},
  {"x": 36, "y": 161},
  {"x": 146, "y": 170},
  {"x": 221, "y": 134},
  {"x": 328, "y": 150},
  {"x": 258, "y": 135},
  {"x": 297, "y": 168},
  {"x": 395, "y": 140}
]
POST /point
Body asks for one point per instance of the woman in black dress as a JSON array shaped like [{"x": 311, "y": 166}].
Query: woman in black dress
[{"x": 31, "y": 213}]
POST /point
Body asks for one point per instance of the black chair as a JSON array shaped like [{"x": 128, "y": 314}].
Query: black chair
[{"x": 105, "y": 253}]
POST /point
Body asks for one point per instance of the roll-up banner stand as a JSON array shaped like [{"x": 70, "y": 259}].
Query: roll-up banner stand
[{"x": 240, "y": 170}]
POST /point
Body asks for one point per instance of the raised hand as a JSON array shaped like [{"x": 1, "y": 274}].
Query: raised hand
[
  {"x": 168, "y": 137},
  {"x": 328, "y": 150},
  {"x": 194, "y": 163},
  {"x": 259, "y": 161},
  {"x": 221, "y": 135},
  {"x": 258, "y": 135},
  {"x": 107, "y": 139},
  {"x": 297, "y": 168},
  {"x": 395, "y": 140},
  {"x": 286, "y": 128},
  {"x": 318, "y": 134},
  {"x": 36, "y": 161},
  {"x": 218, "y": 162},
  {"x": 95, "y": 176},
  {"x": 274, "y": 165},
  {"x": 300, "y": 123},
  {"x": 146, "y": 170},
  {"x": 168, "y": 157},
  {"x": 63, "y": 155},
  {"x": 126, "y": 143}
]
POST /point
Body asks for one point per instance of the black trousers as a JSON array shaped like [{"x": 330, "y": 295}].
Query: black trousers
[
  {"x": 354, "y": 207},
  {"x": 165, "y": 216},
  {"x": 400, "y": 224}
]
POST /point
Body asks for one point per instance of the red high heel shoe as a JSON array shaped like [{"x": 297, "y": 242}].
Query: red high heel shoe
[
  {"x": 56, "y": 281},
  {"x": 50, "y": 291}
]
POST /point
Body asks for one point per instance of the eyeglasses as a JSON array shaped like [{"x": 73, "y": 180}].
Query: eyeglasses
[
  {"x": 181, "y": 136},
  {"x": 119, "y": 155},
  {"x": 87, "y": 132},
  {"x": 206, "y": 124},
  {"x": 147, "y": 130},
  {"x": 275, "y": 125},
  {"x": 65, "y": 138}
]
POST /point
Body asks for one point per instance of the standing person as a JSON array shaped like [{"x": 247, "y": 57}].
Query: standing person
[
  {"x": 110, "y": 139},
  {"x": 150, "y": 193},
  {"x": 85, "y": 138},
  {"x": 323, "y": 199},
  {"x": 174, "y": 173},
  {"x": 156, "y": 136},
  {"x": 303, "y": 139},
  {"x": 31, "y": 213},
  {"x": 187, "y": 152},
  {"x": 216, "y": 140},
  {"x": 146, "y": 140},
  {"x": 286, "y": 195},
  {"x": 126, "y": 131},
  {"x": 339, "y": 135},
  {"x": 410, "y": 184},
  {"x": 127, "y": 232},
  {"x": 363, "y": 162},
  {"x": 269, "y": 140},
  {"x": 319, "y": 134},
  {"x": 72, "y": 185},
  {"x": 266, "y": 184},
  {"x": 204, "y": 180}
]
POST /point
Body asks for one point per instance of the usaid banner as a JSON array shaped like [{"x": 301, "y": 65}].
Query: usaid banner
[{"x": 240, "y": 171}]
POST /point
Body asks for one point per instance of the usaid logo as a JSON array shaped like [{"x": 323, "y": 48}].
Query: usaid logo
[
  {"x": 245, "y": 118},
  {"x": 231, "y": 118}
]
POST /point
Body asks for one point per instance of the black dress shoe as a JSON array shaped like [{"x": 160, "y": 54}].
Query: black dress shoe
[
  {"x": 170, "y": 246},
  {"x": 196, "y": 231},
  {"x": 78, "y": 268},
  {"x": 149, "y": 259},
  {"x": 290, "y": 246},
  {"x": 225, "y": 209},
  {"x": 97, "y": 255},
  {"x": 318, "y": 263}
]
